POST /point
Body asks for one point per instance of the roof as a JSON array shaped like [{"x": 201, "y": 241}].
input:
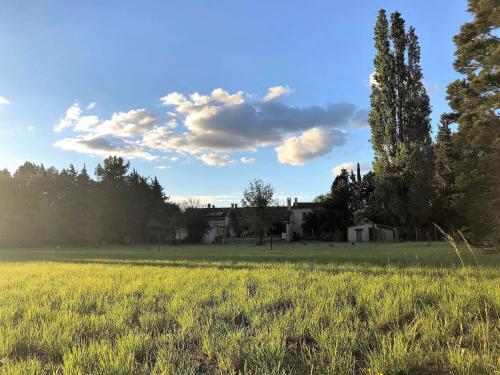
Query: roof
[
  {"x": 305, "y": 205},
  {"x": 217, "y": 215},
  {"x": 372, "y": 223}
]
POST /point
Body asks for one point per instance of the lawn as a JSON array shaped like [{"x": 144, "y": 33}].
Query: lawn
[{"x": 301, "y": 308}]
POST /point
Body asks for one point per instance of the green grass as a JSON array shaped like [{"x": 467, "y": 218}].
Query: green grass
[{"x": 301, "y": 309}]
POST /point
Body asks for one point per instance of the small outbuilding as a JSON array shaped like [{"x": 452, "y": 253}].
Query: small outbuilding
[{"x": 371, "y": 232}]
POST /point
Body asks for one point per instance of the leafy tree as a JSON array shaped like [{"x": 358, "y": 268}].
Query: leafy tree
[
  {"x": 258, "y": 198},
  {"x": 474, "y": 101},
  {"x": 195, "y": 220},
  {"x": 336, "y": 208},
  {"x": 367, "y": 206},
  {"x": 400, "y": 125}
]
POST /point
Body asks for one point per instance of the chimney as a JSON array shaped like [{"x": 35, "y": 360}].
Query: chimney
[
  {"x": 209, "y": 205},
  {"x": 236, "y": 205},
  {"x": 289, "y": 203},
  {"x": 232, "y": 205},
  {"x": 296, "y": 201},
  {"x": 213, "y": 205}
]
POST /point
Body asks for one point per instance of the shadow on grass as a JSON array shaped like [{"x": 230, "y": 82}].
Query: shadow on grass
[
  {"x": 365, "y": 269},
  {"x": 236, "y": 257}
]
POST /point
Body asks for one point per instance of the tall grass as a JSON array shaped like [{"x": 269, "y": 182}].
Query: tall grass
[{"x": 164, "y": 316}]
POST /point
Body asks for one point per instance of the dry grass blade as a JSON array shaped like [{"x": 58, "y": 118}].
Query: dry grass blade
[
  {"x": 469, "y": 247},
  {"x": 452, "y": 242}
]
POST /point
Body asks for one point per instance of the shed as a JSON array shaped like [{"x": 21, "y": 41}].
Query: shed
[{"x": 371, "y": 232}]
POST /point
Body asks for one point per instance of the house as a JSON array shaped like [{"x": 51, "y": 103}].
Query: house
[
  {"x": 219, "y": 221},
  {"x": 298, "y": 215},
  {"x": 370, "y": 232},
  {"x": 224, "y": 222}
]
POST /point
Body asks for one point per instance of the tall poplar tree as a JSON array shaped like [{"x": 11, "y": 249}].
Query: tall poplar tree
[
  {"x": 475, "y": 103},
  {"x": 400, "y": 125}
]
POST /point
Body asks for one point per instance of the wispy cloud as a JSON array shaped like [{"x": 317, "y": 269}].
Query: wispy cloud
[
  {"x": 216, "y": 159},
  {"x": 246, "y": 160},
  {"x": 276, "y": 92},
  {"x": 72, "y": 115},
  {"x": 4, "y": 100}
]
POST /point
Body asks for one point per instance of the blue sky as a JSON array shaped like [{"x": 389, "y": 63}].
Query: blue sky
[{"x": 282, "y": 87}]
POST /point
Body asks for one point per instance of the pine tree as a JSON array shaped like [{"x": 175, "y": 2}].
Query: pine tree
[
  {"x": 157, "y": 222},
  {"x": 89, "y": 225},
  {"x": 444, "y": 178},
  {"x": 113, "y": 198},
  {"x": 400, "y": 125},
  {"x": 475, "y": 101}
]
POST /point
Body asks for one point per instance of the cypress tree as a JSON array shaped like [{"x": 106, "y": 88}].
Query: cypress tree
[
  {"x": 474, "y": 101},
  {"x": 400, "y": 125}
]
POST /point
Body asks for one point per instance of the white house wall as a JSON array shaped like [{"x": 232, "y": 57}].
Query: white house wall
[{"x": 298, "y": 221}]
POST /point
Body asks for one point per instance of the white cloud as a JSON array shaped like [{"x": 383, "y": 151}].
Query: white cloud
[
  {"x": 31, "y": 128},
  {"x": 73, "y": 112},
  {"x": 276, "y": 92},
  {"x": 72, "y": 115},
  {"x": 210, "y": 127},
  {"x": 85, "y": 123},
  {"x": 162, "y": 167},
  {"x": 91, "y": 105},
  {"x": 170, "y": 158},
  {"x": 96, "y": 145},
  {"x": 350, "y": 166},
  {"x": 174, "y": 98},
  {"x": 171, "y": 124},
  {"x": 312, "y": 144},
  {"x": 213, "y": 159},
  {"x": 246, "y": 160},
  {"x": 127, "y": 124},
  {"x": 372, "y": 80},
  {"x": 224, "y": 122},
  {"x": 4, "y": 100}
]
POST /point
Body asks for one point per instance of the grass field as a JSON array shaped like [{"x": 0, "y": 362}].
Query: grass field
[{"x": 301, "y": 309}]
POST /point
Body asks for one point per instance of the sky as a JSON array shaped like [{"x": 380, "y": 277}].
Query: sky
[{"x": 205, "y": 95}]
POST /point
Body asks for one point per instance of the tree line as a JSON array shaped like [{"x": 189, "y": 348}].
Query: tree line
[{"x": 45, "y": 206}]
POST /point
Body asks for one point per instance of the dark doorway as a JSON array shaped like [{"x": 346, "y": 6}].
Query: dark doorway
[{"x": 359, "y": 235}]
